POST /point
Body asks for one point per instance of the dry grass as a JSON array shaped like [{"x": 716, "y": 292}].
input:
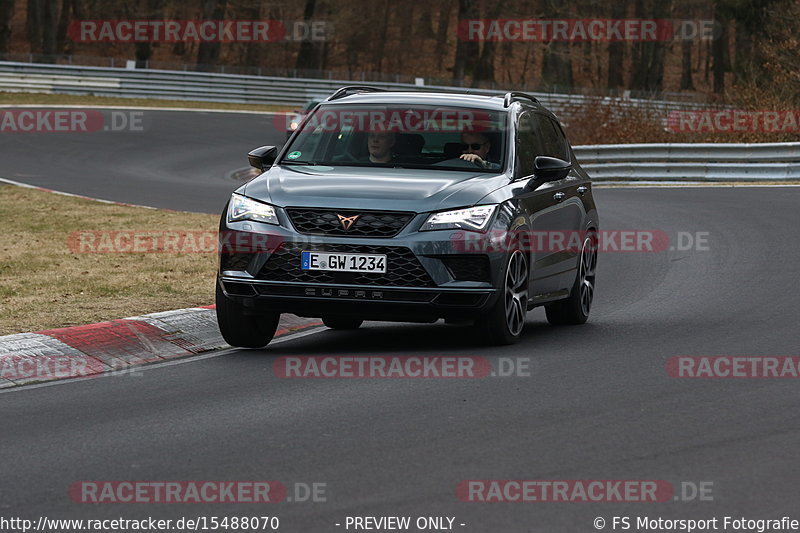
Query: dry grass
[
  {"x": 45, "y": 284},
  {"x": 619, "y": 123},
  {"x": 13, "y": 98}
]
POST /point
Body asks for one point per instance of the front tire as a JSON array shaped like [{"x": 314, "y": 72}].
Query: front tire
[
  {"x": 504, "y": 322},
  {"x": 244, "y": 330},
  {"x": 575, "y": 309}
]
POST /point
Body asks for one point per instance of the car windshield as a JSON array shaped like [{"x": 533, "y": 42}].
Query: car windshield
[{"x": 441, "y": 138}]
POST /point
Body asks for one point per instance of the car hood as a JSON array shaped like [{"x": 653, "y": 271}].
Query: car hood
[{"x": 372, "y": 188}]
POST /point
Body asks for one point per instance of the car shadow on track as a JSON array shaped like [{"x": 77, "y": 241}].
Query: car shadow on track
[{"x": 375, "y": 338}]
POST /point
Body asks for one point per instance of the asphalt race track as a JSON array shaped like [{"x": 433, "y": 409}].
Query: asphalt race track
[
  {"x": 598, "y": 403},
  {"x": 177, "y": 159}
]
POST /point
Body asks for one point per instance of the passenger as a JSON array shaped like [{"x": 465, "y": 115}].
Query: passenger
[
  {"x": 475, "y": 148},
  {"x": 380, "y": 144}
]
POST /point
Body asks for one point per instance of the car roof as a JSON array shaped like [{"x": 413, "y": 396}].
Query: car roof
[{"x": 493, "y": 102}]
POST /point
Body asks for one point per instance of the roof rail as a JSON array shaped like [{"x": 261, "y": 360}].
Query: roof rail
[
  {"x": 513, "y": 95},
  {"x": 350, "y": 89}
]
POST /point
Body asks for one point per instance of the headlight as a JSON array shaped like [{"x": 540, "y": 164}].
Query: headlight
[
  {"x": 293, "y": 125},
  {"x": 243, "y": 208},
  {"x": 471, "y": 218}
]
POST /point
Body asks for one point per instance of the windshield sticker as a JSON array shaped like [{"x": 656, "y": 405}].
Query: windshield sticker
[{"x": 294, "y": 155}]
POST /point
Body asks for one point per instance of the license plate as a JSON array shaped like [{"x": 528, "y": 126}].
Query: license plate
[{"x": 343, "y": 262}]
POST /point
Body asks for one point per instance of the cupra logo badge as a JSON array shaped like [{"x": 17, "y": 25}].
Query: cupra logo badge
[{"x": 347, "y": 222}]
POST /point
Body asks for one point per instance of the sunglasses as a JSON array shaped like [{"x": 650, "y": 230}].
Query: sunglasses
[{"x": 473, "y": 146}]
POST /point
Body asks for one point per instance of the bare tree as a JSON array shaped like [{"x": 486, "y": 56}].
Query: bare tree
[
  {"x": 41, "y": 26},
  {"x": 556, "y": 66},
  {"x": 616, "y": 50},
  {"x": 484, "y": 70},
  {"x": 6, "y": 14},
  {"x": 379, "y": 37},
  {"x": 648, "y": 56},
  {"x": 686, "y": 66},
  {"x": 442, "y": 31},
  {"x": 466, "y": 51},
  {"x": 312, "y": 53},
  {"x": 69, "y": 9},
  {"x": 557, "y": 60},
  {"x": 719, "y": 51},
  {"x": 208, "y": 52}
]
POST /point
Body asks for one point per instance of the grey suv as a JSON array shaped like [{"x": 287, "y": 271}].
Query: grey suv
[{"x": 411, "y": 206}]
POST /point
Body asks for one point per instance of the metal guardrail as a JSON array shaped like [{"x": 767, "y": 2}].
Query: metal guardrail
[
  {"x": 360, "y": 76},
  {"x": 772, "y": 161},
  {"x": 702, "y": 162},
  {"x": 213, "y": 87}
]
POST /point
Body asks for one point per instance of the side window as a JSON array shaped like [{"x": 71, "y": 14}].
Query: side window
[
  {"x": 527, "y": 144},
  {"x": 560, "y": 141},
  {"x": 553, "y": 142}
]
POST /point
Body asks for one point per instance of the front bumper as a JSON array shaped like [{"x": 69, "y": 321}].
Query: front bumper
[
  {"x": 374, "y": 302},
  {"x": 435, "y": 280}
]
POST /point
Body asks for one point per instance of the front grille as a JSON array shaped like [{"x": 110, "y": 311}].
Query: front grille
[
  {"x": 403, "y": 269},
  {"x": 473, "y": 267},
  {"x": 368, "y": 223}
]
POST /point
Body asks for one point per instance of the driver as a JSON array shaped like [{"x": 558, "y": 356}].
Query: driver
[{"x": 475, "y": 148}]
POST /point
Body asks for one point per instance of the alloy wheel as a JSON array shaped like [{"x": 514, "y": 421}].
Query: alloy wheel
[
  {"x": 587, "y": 273},
  {"x": 516, "y": 292}
]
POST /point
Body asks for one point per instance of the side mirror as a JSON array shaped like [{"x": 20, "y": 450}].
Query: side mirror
[
  {"x": 550, "y": 168},
  {"x": 262, "y": 157},
  {"x": 547, "y": 169}
]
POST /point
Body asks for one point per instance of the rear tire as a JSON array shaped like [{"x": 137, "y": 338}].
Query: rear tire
[
  {"x": 505, "y": 320},
  {"x": 338, "y": 322},
  {"x": 244, "y": 330},
  {"x": 575, "y": 309}
]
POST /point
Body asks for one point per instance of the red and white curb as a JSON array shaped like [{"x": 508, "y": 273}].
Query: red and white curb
[{"x": 117, "y": 345}]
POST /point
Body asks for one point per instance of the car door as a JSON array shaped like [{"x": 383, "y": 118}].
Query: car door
[
  {"x": 573, "y": 213},
  {"x": 551, "y": 210}
]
